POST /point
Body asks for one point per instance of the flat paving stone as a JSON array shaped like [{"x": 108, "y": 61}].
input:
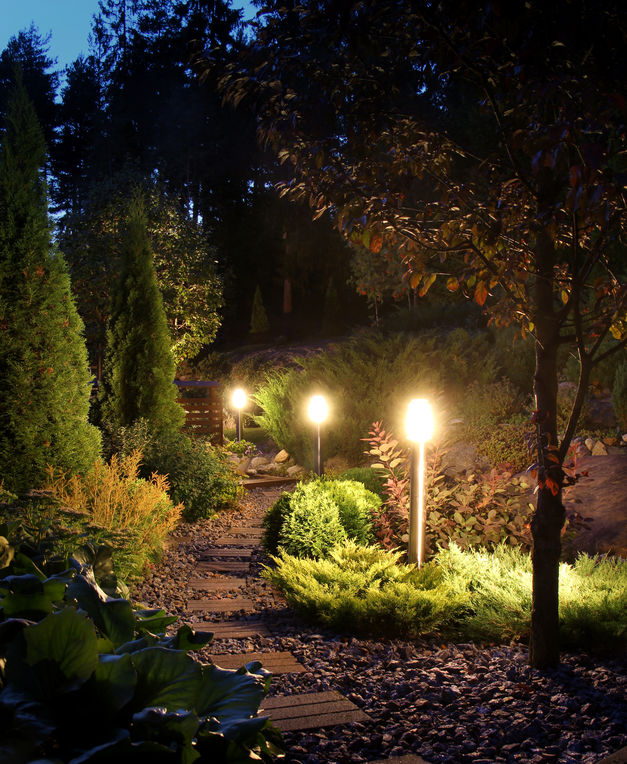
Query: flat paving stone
[
  {"x": 235, "y": 541},
  {"x": 219, "y": 566},
  {"x": 311, "y": 710},
  {"x": 282, "y": 662},
  {"x": 216, "y": 584},
  {"x": 410, "y": 758},
  {"x": 233, "y": 629},
  {"x": 249, "y": 531},
  {"x": 221, "y": 606},
  {"x": 245, "y": 554}
]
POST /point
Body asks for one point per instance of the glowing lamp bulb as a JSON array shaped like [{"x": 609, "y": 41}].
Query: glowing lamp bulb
[
  {"x": 239, "y": 398},
  {"x": 419, "y": 424},
  {"x": 318, "y": 409}
]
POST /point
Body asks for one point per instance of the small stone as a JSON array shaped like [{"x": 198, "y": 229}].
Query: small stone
[
  {"x": 599, "y": 449},
  {"x": 624, "y": 437},
  {"x": 589, "y": 443},
  {"x": 258, "y": 461},
  {"x": 296, "y": 469},
  {"x": 281, "y": 457}
]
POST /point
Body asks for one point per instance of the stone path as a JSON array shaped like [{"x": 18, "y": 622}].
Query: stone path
[{"x": 230, "y": 557}]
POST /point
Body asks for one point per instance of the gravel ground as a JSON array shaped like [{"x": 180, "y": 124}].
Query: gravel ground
[{"x": 445, "y": 702}]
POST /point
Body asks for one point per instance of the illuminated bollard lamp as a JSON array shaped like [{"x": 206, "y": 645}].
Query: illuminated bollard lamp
[
  {"x": 318, "y": 412},
  {"x": 239, "y": 399},
  {"x": 419, "y": 427}
]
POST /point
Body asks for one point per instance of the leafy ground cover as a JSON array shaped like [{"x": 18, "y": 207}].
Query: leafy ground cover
[{"x": 89, "y": 678}]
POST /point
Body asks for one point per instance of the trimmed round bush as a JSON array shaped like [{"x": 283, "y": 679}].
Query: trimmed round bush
[
  {"x": 368, "y": 477},
  {"x": 356, "y": 505},
  {"x": 312, "y": 528}
]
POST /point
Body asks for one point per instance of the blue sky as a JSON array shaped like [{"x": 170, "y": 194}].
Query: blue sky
[{"x": 68, "y": 20}]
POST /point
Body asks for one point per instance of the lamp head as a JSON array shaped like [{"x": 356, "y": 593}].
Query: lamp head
[
  {"x": 238, "y": 399},
  {"x": 419, "y": 424},
  {"x": 318, "y": 409}
]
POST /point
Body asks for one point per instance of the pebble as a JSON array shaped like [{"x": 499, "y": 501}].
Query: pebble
[{"x": 456, "y": 703}]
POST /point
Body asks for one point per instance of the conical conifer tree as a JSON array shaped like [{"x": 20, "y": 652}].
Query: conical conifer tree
[
  {"x": 139, "y": 367},
  {"x": 44, "y": 377},
  {"x": 259, "y": 323}
]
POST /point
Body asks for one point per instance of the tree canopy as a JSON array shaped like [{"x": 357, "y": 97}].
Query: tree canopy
[{"x": 485, "y": 143}]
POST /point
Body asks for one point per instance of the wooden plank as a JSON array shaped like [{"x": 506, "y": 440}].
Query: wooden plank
[
  {"x": 220, "y": 566},
  {"x": 262, "y": 482},
  {"x": 236, "y": 541},
  {"x": 410, "y": 758},
  {"x": 216, "y": 584},
  {"x": 244, "y": 554},
  {"x": 312, "y": 710},
  {"x": 246, "y": 530},
  {"x": 276, "y": 662},
  {"x": 227, "y": 605},
  {"x": 278, "y": 702},
  {"x": 233, "y": 629}
]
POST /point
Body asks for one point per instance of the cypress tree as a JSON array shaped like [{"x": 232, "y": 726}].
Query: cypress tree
[
  {"x": 259, "y": 323},
  {"x": 44, "y": 377},
  {"x": 139, "y": 367}
]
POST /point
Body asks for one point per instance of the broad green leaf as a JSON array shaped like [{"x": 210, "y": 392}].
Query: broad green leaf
[
  {"x": 227, "y": 694},
  {"x": 114, "y": 681},
  {"x": 167, "y": 678},
  {"x": 187, "y": 639},
  {"x": 165, "y": 726},
  {"x": 154, "y": 621}
]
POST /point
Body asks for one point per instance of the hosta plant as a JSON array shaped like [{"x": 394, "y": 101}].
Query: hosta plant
[{"x": 88, "y": 678}]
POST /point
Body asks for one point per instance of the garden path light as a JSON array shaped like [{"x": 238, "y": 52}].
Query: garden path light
[
  {"x": 318, "y": 411},
  {"x": 419, "y": 426},
  {"x": 239, "y": 399}
]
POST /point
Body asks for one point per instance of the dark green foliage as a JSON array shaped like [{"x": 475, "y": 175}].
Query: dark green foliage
[
  {"x": 258, "y": 319},
  {"x": 139, "y": 367},
  {"x": 273, "y": 522},
  {"x": 44, "y": 395},
  {"x": 108, "y": 684},
  {"x": 366, "y": 378},
  {"x": 199, "y": 474},
  {"x": 368, "y": 476},
  {"x": 619, "y": 396},
  {"x": 331, "y": 312},
  {"x": 494, "y": 423}
]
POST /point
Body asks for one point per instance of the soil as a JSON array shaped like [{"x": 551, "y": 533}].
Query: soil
[{"x": 601, "y": 495}]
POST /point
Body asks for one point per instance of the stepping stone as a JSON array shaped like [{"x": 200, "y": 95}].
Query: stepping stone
[
  {"x": 261, "y": 482},
  {"x": 245, "y": 554},
  {"x": 233, "y": 629},
  {"x": 235, "y": 541},
  {"x": 219, "y": 566},
  {"x": 216, "y": 584},
  {"x": 230, "y": 605},
  {"x": 311, "y": 710},
  {"x": 248, "y": 530},
  {"x": 274, "y": 662},
  {"x": 410, "y": 758}
]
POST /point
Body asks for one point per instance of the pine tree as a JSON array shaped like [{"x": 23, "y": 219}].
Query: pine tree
[
  {"x": 259, "y": 323},
  {"x": 44, "y": 378},
  {"x": 139, "y": 367}
]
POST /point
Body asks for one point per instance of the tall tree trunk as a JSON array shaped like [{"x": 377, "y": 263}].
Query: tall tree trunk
[{"x": 548, "y": 519}]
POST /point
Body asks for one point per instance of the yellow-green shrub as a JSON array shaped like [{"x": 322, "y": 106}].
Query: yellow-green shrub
[{"x": 137, "y": 512}]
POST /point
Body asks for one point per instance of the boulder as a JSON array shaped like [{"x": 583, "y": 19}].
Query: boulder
[
  {"x": 257, "y": 461},
  {"x": 295, "y": 470},
  {"x": 599, "y": 449},
  {"x": 461, "y": 458},
  {"x": 281, "y": 457}
]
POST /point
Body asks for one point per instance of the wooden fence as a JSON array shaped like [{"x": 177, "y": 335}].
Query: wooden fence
[{"x": 202, "y": 402}]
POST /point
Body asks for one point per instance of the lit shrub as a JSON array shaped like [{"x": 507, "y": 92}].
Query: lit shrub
[
  {"x": 318, "y": 515},
  {"x": 363, "y": 590},
  {"x": 136, "y": 511},
  {"x": 312, "y": 526}
]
